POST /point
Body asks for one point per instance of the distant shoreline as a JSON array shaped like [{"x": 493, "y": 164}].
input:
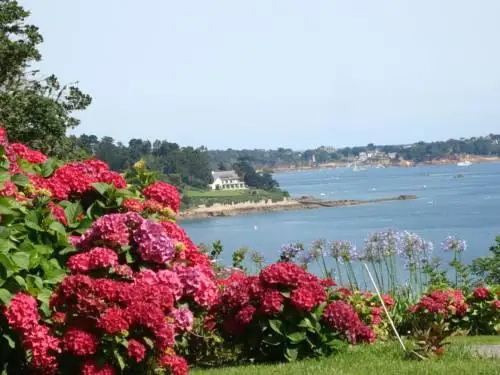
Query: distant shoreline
[
  {"x": 285, "y": 205},
  {"x": 403, "y": 164}
]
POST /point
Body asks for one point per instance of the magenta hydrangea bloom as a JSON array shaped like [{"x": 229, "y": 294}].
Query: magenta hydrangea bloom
[
  {"x": 153, "y": 243},
  {"x": 110, "y": 230},
  {"x": 183, "y": 319}
]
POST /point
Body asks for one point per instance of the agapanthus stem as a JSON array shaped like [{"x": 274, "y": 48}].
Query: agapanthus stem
[{"x": 339, "y": 270}]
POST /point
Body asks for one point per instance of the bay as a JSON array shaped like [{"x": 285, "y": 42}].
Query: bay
[{"x": 464, "y": 202}]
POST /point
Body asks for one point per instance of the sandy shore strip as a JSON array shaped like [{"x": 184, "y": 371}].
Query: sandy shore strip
[{"x": 248, "y": 208}]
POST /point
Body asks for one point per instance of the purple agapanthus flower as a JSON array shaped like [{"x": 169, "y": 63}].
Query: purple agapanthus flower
[
  {"x": 318, "y": 249},
  {"x": 305, "y": 257},
  {"x": 344, "y": 251},
  {"x": 415, "y": 249},
  {"x": 382, "y": 244},
  {"x": 455, "y": 244},
  {"x": 289, "y": 252}
]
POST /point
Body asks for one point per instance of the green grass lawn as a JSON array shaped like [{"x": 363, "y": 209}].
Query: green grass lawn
[
  {"x": 475, "y": 340},
  {"x": 379, "y": 359},
  {"x": 216, "y": 193},
  {"x": 209, "y": 197}
]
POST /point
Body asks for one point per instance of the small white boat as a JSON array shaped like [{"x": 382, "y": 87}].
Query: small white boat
[
  {"x": 464, "y": 164},
  {"x": 358, "y": 169}
]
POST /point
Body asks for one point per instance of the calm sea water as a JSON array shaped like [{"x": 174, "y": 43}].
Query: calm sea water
[{"x": 468, "y": 207}]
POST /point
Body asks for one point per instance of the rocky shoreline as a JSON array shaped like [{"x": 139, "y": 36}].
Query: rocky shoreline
[{"x": 285, "y": 205}]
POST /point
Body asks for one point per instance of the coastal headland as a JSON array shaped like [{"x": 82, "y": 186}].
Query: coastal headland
[
  {"x": 248, "y": 208},
  {"x": 476, "y": 159}
]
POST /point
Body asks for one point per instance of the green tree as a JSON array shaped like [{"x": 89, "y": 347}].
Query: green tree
[
  {"x": 487, "y": 268},
  {"x": 35, "y": 109}
]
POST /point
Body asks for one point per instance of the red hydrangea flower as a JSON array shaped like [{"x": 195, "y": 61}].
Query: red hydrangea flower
[
  {"x": 283, "y": 273},
  {"x": 9, "y": 189},
  {"x": 98, "y": 257},
  {"x": 376, "y": 315},
  {"x": 28, "y": 154},
  {"x": 194, "y": 257},
  {"x": 3, "y": 136},
  {"x": 481, "y": 293},
  {"x": 245, "y": 315},
  {"x": 236, "y": 295},
  {"x": 235, "y": 277},
  {"x": 80, "y": 342},
  {"x": 163, "y": 193},
  {"x": 110, "y": 229},
  {"x": 136, "y": 350},
  {"x": 123, "y": 270},
  {"x": 344, "y": 293},
  {"x": 496, "y": 304},
  {"x": 59, "y": 318},
  {"x": 210, "y": 322},
  {"x": 176, "y": 364},
  {"x": 362, "y": 333},
  {"x": 153, "y": 206},
  {"x": 58, "y": 213},
  {"x": 110, "y": 291},
  {"x": 23, "y": 316},
  {"x": 197, "y": 284},
  {"x": 91, "y": 367},
  {"x": 175, "y": 232},
  {"x": 43, "y": 347},
  {"x": 388, "y": 300},
  {"x": 152, "y": 318},
  {"x": 22, "y": 313},
  {"x": 133, "y": 205},
  {"x": 328, "y": 283},
  {"x": 271, "y": 302},
  {"x": 341, "y": 316},
  {"x": 113, "y": 321},
  {"x": 443, "y": 302},
  {"x": 303, "y": 299},
  {"x": 254, "y": 287},
  {"x": 77, "y": 178}
]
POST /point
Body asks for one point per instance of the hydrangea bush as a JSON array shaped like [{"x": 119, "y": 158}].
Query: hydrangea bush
[
  {"x": 96, "y": 277},
  {"x": 444, "y": 312},
  {"x": 286, "y": 313}
]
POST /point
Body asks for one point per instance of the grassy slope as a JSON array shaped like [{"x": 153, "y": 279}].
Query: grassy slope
[
  {"x": 215, "y": 193},
  {"x": 229, "y": 196},
  {"x": 380, "y": 359}
]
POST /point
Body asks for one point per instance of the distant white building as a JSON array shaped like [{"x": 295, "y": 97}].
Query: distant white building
[
  {"x": 392, "y": 155},
  {"x": 227, "y": 180}
]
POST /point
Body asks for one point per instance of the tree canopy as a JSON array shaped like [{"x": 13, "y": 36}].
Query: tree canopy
[
  {"x": 182, "y": 165},
  {"x": 252, "y": 178},
  {"x": 36, "y": 109}
]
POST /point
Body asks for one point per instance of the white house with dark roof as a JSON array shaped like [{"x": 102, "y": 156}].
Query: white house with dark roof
[{"x": 227, "y": 180}]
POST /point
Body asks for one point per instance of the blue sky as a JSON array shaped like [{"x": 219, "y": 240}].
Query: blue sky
[{"x": 270, "y": 73}]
